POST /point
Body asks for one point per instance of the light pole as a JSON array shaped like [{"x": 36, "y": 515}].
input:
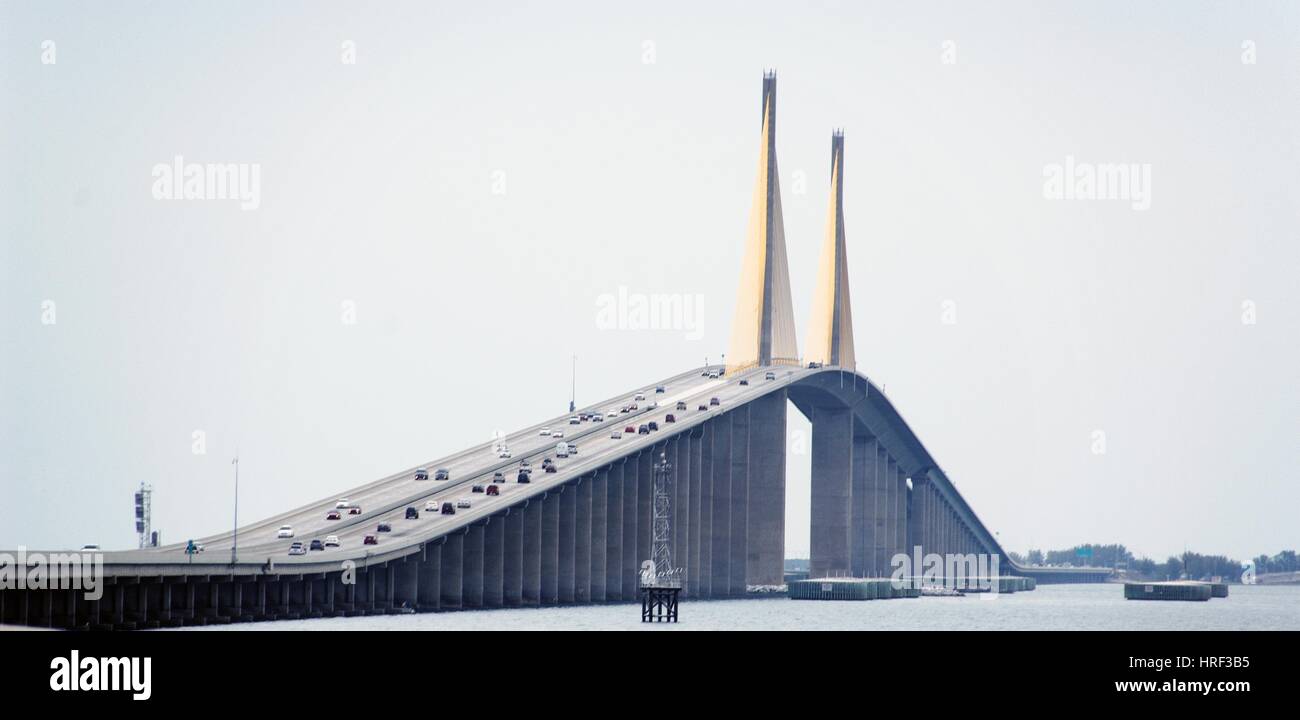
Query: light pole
[{"x": 234, "y": 545}]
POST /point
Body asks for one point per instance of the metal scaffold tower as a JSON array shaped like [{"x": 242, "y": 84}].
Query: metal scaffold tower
[
  {"x": 660, "y": 581},
  {"x": 144, "y": 514}
]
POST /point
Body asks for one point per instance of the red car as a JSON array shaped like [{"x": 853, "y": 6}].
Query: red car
[
  {"x": 354, "y": 510},
  {"x": 493, "y": 490},
  {"x": 334, "y": 515},
  {"x": 630, "y": 430},
  {"x": 370, "y": 540}
]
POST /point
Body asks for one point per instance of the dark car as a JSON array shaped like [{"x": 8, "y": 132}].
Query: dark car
[
  {"x": 670, "y": 418},
  {"x": 660, "y": 389},
  {"x": 442, "y": 474},
  {"x": 498, "y": 477},
  {"x": 421, "y": 474},
  {"x": 493, "y": 490},
  {"x": 714, "y": 401},
  {"x": 412, "y": 514},
  {"x": 702, "y": 408},
  {"x": 769, "y": 376},
  {"x": 317, "y": 545},
  {"x": 550, "y": 468},
  {"x": 814, "y": 365},
  {"x": 643, "y": 429},
  {"x": 654, "y": 426},
  {"x": 448, "y": 509},
  {"x": 477, "y": 489},
  {"x": 370, "y": 540},
  {"x": 681, "y": 404},
  {"x": 384, "y": 527},
  {"x": 524, "y": 463},
  {"x": 744, "y": 382},
  {"x": 629, "y": 429},
  {"x": 354, "y": 510},
  {"x": 333, "y": 515},
  {"x": 523, "y": 478}
]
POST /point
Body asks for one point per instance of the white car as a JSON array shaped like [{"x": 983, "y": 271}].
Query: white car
[
  {"x": 573, "y": 449},
  {"x": 557, "y": 433},
  {"x": 90, "y": 547},
  {"x": 341, "y": 504},
  {"x": 639, "y": 396},
  {"x": 431, "y": 506},
  {"x": 598, "y": 418},
  {"x": 285, "y": 531},
  {"x": 331, "y": 541},
  {"x": 463, "y": 503},
  {"x": 503, "y": 452},
  {"x": 574, "y": 420},
  {"x": 544, "y": 432},
  {"x": 713, "y": 374}
]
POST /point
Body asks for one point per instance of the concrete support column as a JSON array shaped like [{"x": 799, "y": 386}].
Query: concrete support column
[
  {"x": 832, "y": 473},
  {"x": 452, "y": 568},
  {"x": 900, "y": 511},
  {"x": 472, "y": 567},
  {"x": 629, "y": 565},
  {"x": 877, "y": 514},
  {"x": 699, "y": 580},
  {"x": 645, "y": 480},
  {"x": 860, "y": 531},
  {"x": 494, "y": 562},
  {"x": 512, "y": 586},
  {"x": 551, "y": 546},
  {"x": 430, "y": 593},
  {"x": 582, "y": 540},
  {"x": 614, "y": 533},
  {"x": 739, "y": 512},
  {"x": 532, "y": 590},
  {"x": 720, "y": 528},
  {"x": 568, "y": 540},
  {"x": 599, "y": 533},
  {"x": 891, "y": 509},
  {"x": 765, "y": 563},
  {"x": 916, "y": 515},
  {"x": 680, "y": 457}
]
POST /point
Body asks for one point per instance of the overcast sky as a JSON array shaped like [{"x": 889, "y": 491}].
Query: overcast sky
[{"x": 473, "y": 177}]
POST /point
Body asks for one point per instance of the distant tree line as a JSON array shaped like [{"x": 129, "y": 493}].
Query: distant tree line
[{"x": 1189, "y": 565}]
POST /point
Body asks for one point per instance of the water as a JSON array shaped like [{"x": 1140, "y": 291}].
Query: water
[{"x": 1050, "y": 607}]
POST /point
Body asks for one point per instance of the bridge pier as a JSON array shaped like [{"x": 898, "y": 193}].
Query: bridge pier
[
  {"x": 631, "y": 493},
  {"x": 599, "y": 534},
  {"x": 512, "y": 562},
  {"x": 614, "y": 533},
  {"x": 582, "y": 545},
  {"x": 472, "y": 550},
  {"x": 701, "y": 578},
  {"x": 494, "y": 547},
  {"x": 429, "y": 593},
  {"x": 452, "y": 568},
  {"x": 550, "y": 546},
  {"x": 720, "y": 527},
  {"x": 532, "y": 586},
  {"x": 567, "y": 532},
  {"x": 832, "y": 471},
  {"x": 860, "y": 561},
  {"x": 738, "y": 513}
]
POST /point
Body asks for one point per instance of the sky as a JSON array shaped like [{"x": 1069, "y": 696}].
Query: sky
[{"x": 448, "y": 194}]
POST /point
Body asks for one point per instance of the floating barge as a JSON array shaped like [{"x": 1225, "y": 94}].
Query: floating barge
[{"x": 1180, "y": 590}]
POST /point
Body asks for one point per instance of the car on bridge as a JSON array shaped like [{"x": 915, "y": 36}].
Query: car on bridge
[
  {"x": 477, "y": 489},
  {"x": 354, "y": 510},
  {"x": 744, "y": 381},
  {"x": 341, "y": 504},
  {"x": 464, "y": 503},
  {"x": 714, "y": 400},
  {"x": 681, "y": 404},
  {"x": 702, "y": 408},
  {"x": 713, "y": 374},
  {"x": 661, "y": 389},
  {"x": 412, "y": 514},
  {"x": 370, "y": 540},
  {"x": 285, "y": 531},
  {"x": 769, "y": 375},
  {"x": 431, "y": 506},
  {"x": 442, "y": 474},
  {"x": 493, "y": 490},
  {"x": 550, "y": 468},
  {"x": 598, "y": 417},
  {"x": 524, "y": 463},
  {"x": 629, "y": 430},
  {"x": 317, "y": 544},
  {"x": 616, "y": 435},
  {"x": 90, "y": 547},
  {"x": 574, "y": 420},
  {"x": 562, "y": 450},
  {"x": 544, "y": 432},
  {"x": 497, "y": 477},
  {"x": 524, "y": 477},
  {"x": 503, "y": 452},
  {"x": 573, "y": 449},
  {"x": 331, "y": 541},
  {"x": 421, "y": 474},
  {"x": 384, "y": 527},
  {"x": 448, "y": 509},
  {"x": 670, "y": 418},
  {"x": 557, "y": 433},
  {"x": 297, "y": 549},
  {"x": 643, "y": 429},
  {"x": 654, "y": 426},
  {"x": 333, "y": 515}
]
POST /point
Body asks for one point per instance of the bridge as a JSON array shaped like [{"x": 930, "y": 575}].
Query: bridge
[{"x": 579, "y": 534}]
